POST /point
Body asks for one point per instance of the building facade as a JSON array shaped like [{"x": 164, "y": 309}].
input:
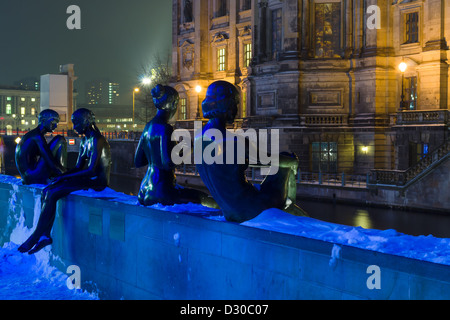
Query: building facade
[
  {"x": 102, "y": 92},
  {"x": 18, "y": 109},
  {"x": 325, "y": 73}
]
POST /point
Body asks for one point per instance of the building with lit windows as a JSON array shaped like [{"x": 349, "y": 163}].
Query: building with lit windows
[
  {"x": 102, "y": 92},
  {"x": 325, "y": 73},
  {"x": 18, "y": 109},
  {"x": 223, "y": 53}
]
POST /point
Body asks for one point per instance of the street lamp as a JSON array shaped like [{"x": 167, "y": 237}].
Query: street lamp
[
  {"x": 402, "y": 66},
  {"x": 146, "y": 81},
  {"x": 198, "y": 89},
  {"x": 136, "y": 90}
]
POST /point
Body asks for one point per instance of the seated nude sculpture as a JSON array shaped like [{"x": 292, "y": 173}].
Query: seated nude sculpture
[
  {"x": 154, "y": 149},
  {"x": 239, "y": 199},
  {"x": 91, "y": 171},
  {"x": 36, "y": 160}
]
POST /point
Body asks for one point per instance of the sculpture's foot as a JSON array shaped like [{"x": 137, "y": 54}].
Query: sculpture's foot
[
  {"x": 27, "y": 245},
  {"x": 296, "y": 210},
  {"x": 42, "y": 243}
]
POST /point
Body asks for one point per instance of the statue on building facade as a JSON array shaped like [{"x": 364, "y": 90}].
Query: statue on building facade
[
  {"x": 91, "y": 171},
  {"x": 154, "y": 149},
  {"x": 239, "y": 199},
  {"x": 36, "y": 160}
]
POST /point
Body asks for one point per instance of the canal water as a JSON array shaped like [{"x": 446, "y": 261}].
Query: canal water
[{"x": 409, "y": 222}]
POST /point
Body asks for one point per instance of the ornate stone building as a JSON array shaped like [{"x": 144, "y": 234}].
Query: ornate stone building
[{"x": 326, "y": 73}]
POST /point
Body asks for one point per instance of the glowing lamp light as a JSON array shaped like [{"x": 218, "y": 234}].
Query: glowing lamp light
[
  {"x": 17, "y": 141},
  {"x": 136, "y": 90},
  {"x": 365, "y": 149},
  {"x": 402, "y": 66},
  {"x": 198, "y": 89},
  {"x": 146, "y": 81}
]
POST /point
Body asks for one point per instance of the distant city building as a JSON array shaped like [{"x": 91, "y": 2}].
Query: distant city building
[
  {"x": 113, "y": 118},
  {"x": 30, "y": 83},
  {"x": 18, "y": 109},
  {"x": 57, "y": 93},
  {"x": 102, "y": 92},
  {"x": 317, "y": 72}
]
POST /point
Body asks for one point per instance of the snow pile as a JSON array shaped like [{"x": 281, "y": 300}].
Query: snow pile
[
  {"x": 426, "y": 248},
  {"x": 30, "y": 277}
]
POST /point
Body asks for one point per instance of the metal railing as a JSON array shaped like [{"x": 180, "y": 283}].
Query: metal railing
[
  {"x": 310, "y": 178},
  {"x": 402, "y": 177}
]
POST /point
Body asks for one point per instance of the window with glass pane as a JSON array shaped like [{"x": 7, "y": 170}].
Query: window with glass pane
[
  {"x": 324, "y": 157},
  {"x": 246, "y": 5},
  {"x": 247, "y": 54},
  {"x": 221, "y": 55},
  {"x": 411, "y": 93},
  {"x": 187, "y": 11},
  {"x": 183, "y": 109},
  {"x": 412, "y": 27},
  {"x": 327, "y": 23},
  {"x": 276, "y": 31},
  {"x": 221, "y": 8}
]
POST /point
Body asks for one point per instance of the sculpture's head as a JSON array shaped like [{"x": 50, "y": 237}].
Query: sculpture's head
[
  {"x": 165, "y": 98},
  {"x": 82, "y": 120},
  {"x": 48, "y": 119},
  {"x": 221, "y": 101}
]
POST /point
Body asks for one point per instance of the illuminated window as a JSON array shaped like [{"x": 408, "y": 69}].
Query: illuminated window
[
  {"x": 8, "y": 98},
  {"x": 412, "y": 27},
  {"x": 33, "y": 122},
  {"x": 33, "y": 111},
  {"x": 247, "y": 54},
  {"x": 22, "y": 99},
  {"x": 22, "y": 110},
  {"x": 327, "y": 28},
  {"x": 324, "y": 157},
  {"x": 221, "y": 56},
  {"x": 411, "y": 93},
  {"x": 8, "y": 109},
  {"x": 183, "y": 109},
  {"x": 33, "y": 99}
]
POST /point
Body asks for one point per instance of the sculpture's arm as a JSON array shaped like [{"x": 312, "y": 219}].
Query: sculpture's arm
[
  {"x": 93, "y": 162},
  {"x": 46, "y": 153}
]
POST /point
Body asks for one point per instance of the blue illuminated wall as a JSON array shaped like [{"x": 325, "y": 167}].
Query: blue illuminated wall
[{"x": 133, "y": 252}]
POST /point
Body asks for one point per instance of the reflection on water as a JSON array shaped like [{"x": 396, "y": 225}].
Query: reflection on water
[
  {"x": 362, "y": 219},
  {"x": 413, "y": 223}
]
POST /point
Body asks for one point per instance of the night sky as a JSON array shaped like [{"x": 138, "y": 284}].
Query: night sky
[{"x": 116, "y": 38}]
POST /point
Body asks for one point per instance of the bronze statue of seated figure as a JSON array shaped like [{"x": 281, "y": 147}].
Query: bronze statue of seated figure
[
  {"x": 91, "y": 171},
  {"x": 154, "y": 149},
  {"x": 239, "y": 199},
  {"x": 36, "y": 160}
]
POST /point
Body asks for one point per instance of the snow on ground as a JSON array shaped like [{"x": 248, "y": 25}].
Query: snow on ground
[{"x": 31, "y": 277}]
